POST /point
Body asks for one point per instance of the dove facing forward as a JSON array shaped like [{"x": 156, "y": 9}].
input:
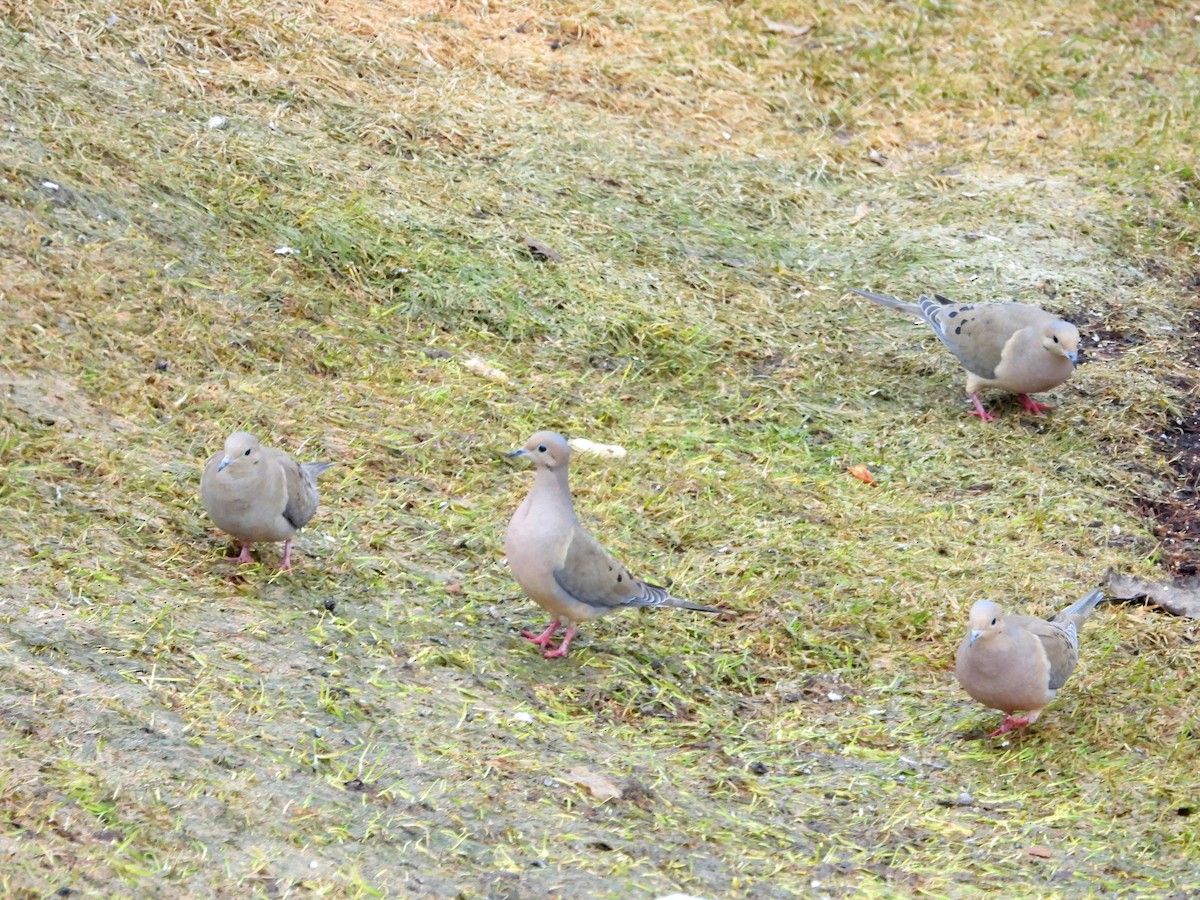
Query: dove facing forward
[
  {"x": 558, "y": 563},
  {"x": 1008, "y": 346},
  {"x": 256, "y": 493},
  {"x": 1014, "y": 663}
]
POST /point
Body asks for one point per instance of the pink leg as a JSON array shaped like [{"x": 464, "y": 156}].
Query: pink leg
[
  {"x": 285, "y": 564},
  {"x": 563, "y": 647},
  {"x": 1011, "y": 722},
  {"x": 980, "y": 411},
  {"x": 1033, "y": 406},
  {"x": 544, "y": 638},
  {"x": 245, "y": 556}
]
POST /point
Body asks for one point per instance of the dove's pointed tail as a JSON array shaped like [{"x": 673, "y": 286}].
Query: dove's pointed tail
[
  {"x": 688, "y": 604},
  {"x": 656, "y": 595},
  {"x": 313, "y": 469},
  {"x": 1081, "y": 609},
  {"x": 883, "y": 300}
]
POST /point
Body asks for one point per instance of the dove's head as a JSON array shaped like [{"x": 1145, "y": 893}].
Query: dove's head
[
  {"x": 240, "y": 448},
  {"x": 986, "y": 618},
  {"x": 547, "y": 450},
  {"x": 1062, "y": 339}
]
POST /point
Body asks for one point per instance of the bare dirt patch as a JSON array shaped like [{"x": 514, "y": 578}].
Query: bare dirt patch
[{"x": 1176, "y": 515}]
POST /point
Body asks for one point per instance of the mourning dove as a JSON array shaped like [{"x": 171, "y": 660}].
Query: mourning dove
[
  {"x": 1013, "y": 663},
  {"x": 259, "y": 494},
  {"x": 1008, "y": 346},
  {"x": 558, "y": 563}
]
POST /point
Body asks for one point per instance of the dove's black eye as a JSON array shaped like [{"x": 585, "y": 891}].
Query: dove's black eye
[
  {"x": 542, "y": 448},
  {"x": 1056, "y": 338},
  {"x": 993, "y": 621},
  {"x": 247, "y": 453}
]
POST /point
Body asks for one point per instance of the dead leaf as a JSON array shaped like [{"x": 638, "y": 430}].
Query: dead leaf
[
  {"x": 490, "y": 372},
  {"x": 583, "y": 445},
  {"x": 1040, "y": 852},
  {"x": 863, "y": 210},
  {"x": 600, "y": 787},
  {"x": 1179, "y": 598},
  {"x": 454, "y": 587},
  {"x": 541, "y": 251},
  {"x": 862, "y": 473},
  {"x": 787, "y": 29}
]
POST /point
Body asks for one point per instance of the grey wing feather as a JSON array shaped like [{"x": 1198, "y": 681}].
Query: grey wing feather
[
  {"x": 592, "y": 575},
  {"x": 947, "y": 319},
  {"x": 1060, "y": 637},
  {"x": 1061, "y": 643},
  {"x": 301, "y": 479}
]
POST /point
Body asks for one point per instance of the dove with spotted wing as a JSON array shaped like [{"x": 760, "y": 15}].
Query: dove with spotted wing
[
  {"x": 1017, "y": 663},
  {"x": 558, "y": 563},
  {"x": 1006, "y": 346}
]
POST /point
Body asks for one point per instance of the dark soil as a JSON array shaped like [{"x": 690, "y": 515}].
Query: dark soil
[{"x": 1177, "y": 514}]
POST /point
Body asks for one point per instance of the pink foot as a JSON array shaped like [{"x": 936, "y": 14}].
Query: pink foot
[
  {"x": 980, "y": 411},
  {"x": 544, "y": 638},
  {"x": 1010, "y": 723},
  {"x": 563, "y": 647},
  {"x": 1033, "y": 406},
  {"x": 285, "y": 564},
  {"x": 245, "y": 556}
]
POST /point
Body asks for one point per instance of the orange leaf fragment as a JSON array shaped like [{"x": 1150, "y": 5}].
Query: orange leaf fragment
[{"x": 862, "y": 473}]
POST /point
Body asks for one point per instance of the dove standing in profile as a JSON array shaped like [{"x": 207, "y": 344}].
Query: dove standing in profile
[
  {"x": 259, "y": 494},
  {"x": 1013, "y": 663},
  {"x": 1008, "y": 346},
  {"x": 558, "y": 563}
]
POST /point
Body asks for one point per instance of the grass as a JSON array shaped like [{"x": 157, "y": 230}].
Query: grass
[{"x": 371, "y": 724}]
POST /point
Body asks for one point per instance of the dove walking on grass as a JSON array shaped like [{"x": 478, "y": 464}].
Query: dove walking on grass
[
  {"x": 1007, "y": 346},
  {"x": 256, "y": 493},
  {"x": 1017, "y": 663},
  {"x": 558, "y": 563}
]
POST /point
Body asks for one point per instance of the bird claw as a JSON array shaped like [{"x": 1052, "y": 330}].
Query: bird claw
[
  {"x": 541, "y": 639},
  {"x": 1032, "y": 406},
  {"x": 1011, "y": 723},
  {"x": 244, "y": 556},
  {"x": 979, "y": 410},
  {"x": 544, "y": 640}
]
